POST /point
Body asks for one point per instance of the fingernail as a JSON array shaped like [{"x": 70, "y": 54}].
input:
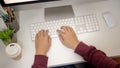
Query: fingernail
[
  {"x": 61, "y": 27},
  {"x": 57, "y": 30},
  {"x": 47, "y": 30},
  {"x": 41, "y": 29}
]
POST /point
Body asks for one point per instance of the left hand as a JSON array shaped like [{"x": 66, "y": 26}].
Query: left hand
[{"x": 42, "y": 42}]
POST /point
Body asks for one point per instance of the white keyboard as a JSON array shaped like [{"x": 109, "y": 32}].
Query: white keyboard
[{"x": 81, "y": 24}]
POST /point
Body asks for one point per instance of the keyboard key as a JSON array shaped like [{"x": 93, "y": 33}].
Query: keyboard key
[{"x": 81, "y": 24}]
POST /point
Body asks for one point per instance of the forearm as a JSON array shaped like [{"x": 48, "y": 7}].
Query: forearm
[
  {"x": 96, "y": 57},
  {"x": 40, "y": 61}
]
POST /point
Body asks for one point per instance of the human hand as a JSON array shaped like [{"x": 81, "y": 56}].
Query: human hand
[
  {"x": 68, "y": 37},
  {"x": 42, "y": 42}
]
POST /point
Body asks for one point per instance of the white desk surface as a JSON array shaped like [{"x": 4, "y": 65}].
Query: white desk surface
[{"x": 107, "y": 40}]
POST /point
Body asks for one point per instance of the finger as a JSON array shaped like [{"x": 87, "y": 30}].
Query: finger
[
  {"x": 46, "y": 33},
  {"x": 43, "y": 33},
  {"x": 68, "y": 28},
  {"x": 39, "y": 33},
  {"x": 71, "y": 29},
  {"x": 64, "y": 28},
  {"x": 60, "y": 32},
  {"x": 49, "y": 39},
  {"x": 61, "y": 38},
  {"x": 36, "y": 37}
]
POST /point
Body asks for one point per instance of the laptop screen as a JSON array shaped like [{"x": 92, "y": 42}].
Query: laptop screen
[
  {"x": 19, "y": 2},
  {"x": 16, "y": 1}
]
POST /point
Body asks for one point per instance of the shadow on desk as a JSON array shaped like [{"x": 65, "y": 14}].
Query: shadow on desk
[
  {"x": 85, "y": 65},
  {"x": 80, "y": 65}
]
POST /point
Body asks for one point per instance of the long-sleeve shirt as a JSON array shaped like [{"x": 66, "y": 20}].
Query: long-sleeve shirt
[{"x": 89, "y": 53}]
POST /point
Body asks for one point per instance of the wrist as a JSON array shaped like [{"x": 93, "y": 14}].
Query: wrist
[
  {"x": 75, "y": 45},
  {"x": 40, "y": 53}
]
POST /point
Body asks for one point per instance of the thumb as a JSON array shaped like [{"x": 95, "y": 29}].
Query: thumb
[
  {"x": 60, "y": 32},
  {"x": 61, "y": 35},
  {"x": 61, "y": 38}
]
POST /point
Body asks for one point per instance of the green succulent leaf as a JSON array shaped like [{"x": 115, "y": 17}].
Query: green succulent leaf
[{"x": 6, "y": 35}]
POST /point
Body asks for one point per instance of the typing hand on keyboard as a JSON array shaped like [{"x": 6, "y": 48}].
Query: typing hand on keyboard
[
  {"x": 43, "y": 41},
  {"x": 82, "y": 24},
  {"x": 68, "y": 37}
]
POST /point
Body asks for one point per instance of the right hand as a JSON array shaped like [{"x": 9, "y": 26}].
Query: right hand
[{"x": 68, "y": 37}]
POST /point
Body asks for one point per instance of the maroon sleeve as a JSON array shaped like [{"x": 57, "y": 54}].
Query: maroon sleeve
[
  {"x": 95, "y": 57},
  {"x": 40, "y": 61}
]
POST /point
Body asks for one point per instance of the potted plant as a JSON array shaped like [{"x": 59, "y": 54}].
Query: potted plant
[
  {"x": 13, "y": 49},
  {"x": 6, "y": 35}
]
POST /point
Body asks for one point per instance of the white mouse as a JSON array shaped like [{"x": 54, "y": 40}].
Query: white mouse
[{"x": 109, "y": 19}]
